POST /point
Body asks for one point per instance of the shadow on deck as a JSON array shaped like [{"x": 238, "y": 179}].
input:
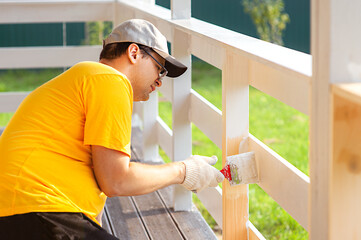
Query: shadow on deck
[{"x": 151, "y": 216}]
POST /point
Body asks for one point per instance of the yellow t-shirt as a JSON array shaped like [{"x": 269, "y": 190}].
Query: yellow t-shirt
[{"x": 45, "y": 154}]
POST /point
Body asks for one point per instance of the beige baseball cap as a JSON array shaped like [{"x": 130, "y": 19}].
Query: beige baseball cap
[{"x": 143, "y": 32}]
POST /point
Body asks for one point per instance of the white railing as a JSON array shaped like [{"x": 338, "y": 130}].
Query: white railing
[{"x": 282, "y": 73}]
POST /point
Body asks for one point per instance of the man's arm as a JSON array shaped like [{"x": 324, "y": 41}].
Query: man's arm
[{"x": 117, "y": 176}]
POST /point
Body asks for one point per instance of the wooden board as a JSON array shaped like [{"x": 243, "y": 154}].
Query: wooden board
[
  {"x": 155, "y": 217},
  {"x": 48, "y": 11},
  {"x": 105, "y": 221},
  {"x": 291, "y": 195},
  {"x": 124, "y": 219},
  {"x": 47, "y": 57},
  {"x": 191, "y": 224},
  {"x": 235, "y": 110},
  {"x": 345, "y": 194}
]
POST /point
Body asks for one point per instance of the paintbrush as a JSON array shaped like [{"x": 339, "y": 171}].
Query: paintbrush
[{"x": 241, "y": 169}]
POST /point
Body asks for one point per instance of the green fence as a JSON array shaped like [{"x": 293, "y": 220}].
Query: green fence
[
  {"x": 41, "y": 34},
  {"x": 230, "y": 14}
]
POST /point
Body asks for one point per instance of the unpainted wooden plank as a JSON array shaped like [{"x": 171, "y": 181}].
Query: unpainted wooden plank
[
  {"x": 235, "y": 111},
  {"x": 156, "y": 218},
  {"x": 191, "y": 223},
  {"x": 345, "y": 183},
  {"x": 124, "y": 219}
]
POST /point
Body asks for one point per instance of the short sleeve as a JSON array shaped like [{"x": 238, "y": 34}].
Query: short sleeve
[{"x": 108, "y": 104}]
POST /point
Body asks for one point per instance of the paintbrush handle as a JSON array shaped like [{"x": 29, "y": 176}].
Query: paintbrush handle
[{"x": 226, "y": 171}]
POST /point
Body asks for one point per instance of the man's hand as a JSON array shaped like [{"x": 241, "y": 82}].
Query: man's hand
[{"x": 200, "y": 174}]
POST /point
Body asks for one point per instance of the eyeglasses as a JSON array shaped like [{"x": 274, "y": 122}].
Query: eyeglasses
[{"x": 164, "y": 71}]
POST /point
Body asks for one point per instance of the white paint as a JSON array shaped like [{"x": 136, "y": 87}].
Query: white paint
[
  {"x": 287, "y": 185},
  {"x": 182, "y": 131},
  {"x": 47, "y": 57},
  {"x": 206, "y": 117},
  {"x": 345, "y": 36},
  {"x": 164, "y": 136},
  {"x": 49, "y": 11},
  {"x": 181, "y": 9},
  {"x": 354, "y": 70},
  {"x": 243, "y": 168},
  {"x": 150, "y": 141},
  {"x": 212, "y": 200}
]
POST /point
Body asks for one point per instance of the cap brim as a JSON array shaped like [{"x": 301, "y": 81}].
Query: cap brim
[{"x": 173, "y": 66}]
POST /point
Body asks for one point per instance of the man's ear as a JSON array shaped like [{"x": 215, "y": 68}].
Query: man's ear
[{"x": 133, "y": 53}]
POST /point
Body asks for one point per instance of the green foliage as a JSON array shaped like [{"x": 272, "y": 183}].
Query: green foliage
[
  {"x": 268, "y": 17},
  {"x": 95, "y": 32},
  {"x": 23, "y": 80}
]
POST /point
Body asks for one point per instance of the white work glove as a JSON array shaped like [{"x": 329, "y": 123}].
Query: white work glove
[{"x": 200, "y": 174}]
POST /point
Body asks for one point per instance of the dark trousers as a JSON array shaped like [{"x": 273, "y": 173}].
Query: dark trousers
[{"x": 48, "y": 225}]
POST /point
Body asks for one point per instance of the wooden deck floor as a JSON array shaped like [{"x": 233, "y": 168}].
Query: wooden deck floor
[{"x": 151, "y": 216}]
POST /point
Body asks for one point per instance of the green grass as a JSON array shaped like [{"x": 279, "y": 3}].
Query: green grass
[
  {"x": 282, "y": 128},
  {"x": 22, "y": 80}
]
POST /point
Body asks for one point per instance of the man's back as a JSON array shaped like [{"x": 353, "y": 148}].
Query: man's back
[{"x": 45, "y": 155}]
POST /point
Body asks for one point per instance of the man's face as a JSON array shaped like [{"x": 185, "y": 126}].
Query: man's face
[{"x": 147, "y": 79}]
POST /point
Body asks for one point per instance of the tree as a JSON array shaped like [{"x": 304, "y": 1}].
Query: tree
[
  {"x": 95, "y": 32},
  {"x": 269, "y": 18}
]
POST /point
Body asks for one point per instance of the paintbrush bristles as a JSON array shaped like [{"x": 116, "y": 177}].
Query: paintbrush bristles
[{"x": 243, "y": 168}]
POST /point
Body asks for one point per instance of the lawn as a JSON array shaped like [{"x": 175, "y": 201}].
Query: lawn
[{"x": 282, "y": 128}]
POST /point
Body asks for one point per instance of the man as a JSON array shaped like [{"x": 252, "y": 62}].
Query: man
[{"x": 68, "y": 145}]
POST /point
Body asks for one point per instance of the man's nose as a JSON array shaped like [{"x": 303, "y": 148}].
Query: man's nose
[{"x": 158, "y": 82}]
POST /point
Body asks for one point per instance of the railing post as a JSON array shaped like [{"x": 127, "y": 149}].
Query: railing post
[
  {"x": 150, "y": 114},
  {"x": 235, "y": 111},
  {"x": 182, "y": 131},
  {"x": 334, "y": 122}
]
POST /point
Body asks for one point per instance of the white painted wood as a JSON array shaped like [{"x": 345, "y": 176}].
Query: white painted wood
[
  {"x": 235, "y": 111},
  {"x": 137, "y": 115},
  {"x": 150, "y": 1},
  {"x": 182, "y": 131},
  {"x": 281, "y": 58},
  {"x": 211, "y": 198},
  {"x": 167, "y": 88},
  {"x": 287, "y": 185},
  {"x": 48, "y": 11},
  {"x": 320, "y": 121},
  {"x": 273, "y": 67},
  {"x": 47, "y": 57},
  {"x": 253, "y": 233},
  {"x": 290, "y": 88},
  {"x": 208, "y": 50},
  {"x": 206, "y": 117},
  {"x": 181, "y": 9},
  {"x": 10, "y": 101},
  {"x": 345, "y": 36},
  {"x": 165, "y": 135},
  {"x": 150, "y": 114}
]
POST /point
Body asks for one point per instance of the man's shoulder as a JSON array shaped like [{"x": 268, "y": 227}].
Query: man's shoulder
[{"x": 96, "y": 69}]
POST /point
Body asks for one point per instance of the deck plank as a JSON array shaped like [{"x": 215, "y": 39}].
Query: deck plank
[
  {"x": 124, "y": 219},
  {"x": 192, "y": 224},
  {"x": 155, "y": 216},
  {"x": 105, "y": 222}
]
